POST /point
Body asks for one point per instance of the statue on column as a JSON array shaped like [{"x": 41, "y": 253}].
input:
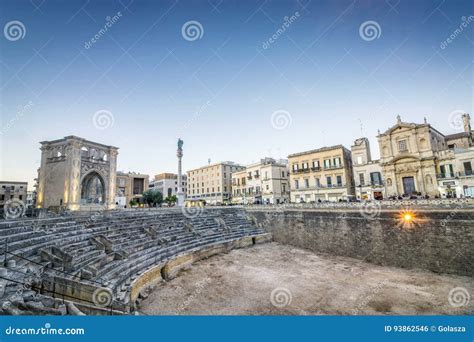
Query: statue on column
[{"x": 180, "y": 194}]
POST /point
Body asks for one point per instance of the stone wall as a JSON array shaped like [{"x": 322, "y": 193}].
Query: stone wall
[{"x": 441, "y": 240}]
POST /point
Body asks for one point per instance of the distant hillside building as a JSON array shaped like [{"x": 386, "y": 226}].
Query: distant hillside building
[{"x": 265, "y": 182}]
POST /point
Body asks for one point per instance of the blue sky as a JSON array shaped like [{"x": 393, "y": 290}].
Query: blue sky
[{"x": 219, "y": 91}]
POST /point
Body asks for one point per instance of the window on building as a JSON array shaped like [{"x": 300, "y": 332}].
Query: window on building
[
  {"x": 339, "y": 180},
  {"x": 297, "y": 186},
  {"x": 306, "y": 183},
  {"x": 359, "y": 160},
  {"x": 283, "y": 174},
  {"x": 402, "y": 146},
  {"x": 268, "y": 187},
  {"x": 327, "y": 163},
  {"x": 295, "y": 167},
  {"x": 361, "y": 179},
  {"x": 225, "y": 189},
  {"x": 376, "y": 178},
  {"x": 318, "y": 182},
  {"x": 467, "y": 168},
  {"x": 329, "y": 181}
]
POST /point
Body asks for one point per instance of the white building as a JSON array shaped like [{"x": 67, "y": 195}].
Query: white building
[
  {"x": 265, "y": 182},
  {"x": 367, "y": 172},
  {"x": 456, "y": 177},
  {"x": 167, "y": 184}
]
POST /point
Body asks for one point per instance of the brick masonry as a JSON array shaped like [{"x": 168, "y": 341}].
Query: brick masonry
[{"x": 440, "y": 241}]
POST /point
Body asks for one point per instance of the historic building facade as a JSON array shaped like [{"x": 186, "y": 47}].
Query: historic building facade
[
  {"x": 368, "y": 179},
  {"x": 212, "y": 183},
  {"x": 10, "y": 191},
  {"x": 324, "y": 174},
  {"x": 167, "y": 184},
  {"x": 416, "y": 159},
  {"x": 76, "y": 173},
  {"x": 130, "y": 188},
  {"x": 265, "y": 182}
]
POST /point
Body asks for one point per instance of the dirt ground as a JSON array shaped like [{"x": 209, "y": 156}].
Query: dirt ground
[{"x": 275, "y": 279}]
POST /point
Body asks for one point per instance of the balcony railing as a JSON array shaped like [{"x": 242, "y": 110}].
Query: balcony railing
[
  {"x": 320, "y": 187},
  {"x": 332, "y": 167},
  {"x": 373, "y": 184}
]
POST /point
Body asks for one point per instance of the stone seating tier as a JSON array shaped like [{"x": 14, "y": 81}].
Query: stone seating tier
[{"x": 115, "y": 248}]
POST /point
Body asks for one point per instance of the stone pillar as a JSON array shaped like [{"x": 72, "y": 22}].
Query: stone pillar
[
  {"x": 113, "y": 152},
  {"x": 42, "y": 177},
  {"x": 72, "y": 196},
  {"x": 180, "y": 194}
]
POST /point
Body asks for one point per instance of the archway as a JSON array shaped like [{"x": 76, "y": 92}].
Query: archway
[{"x": 93, "y": 189}]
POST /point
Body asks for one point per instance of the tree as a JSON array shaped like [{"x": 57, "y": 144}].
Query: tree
[
  {"x": 171, "y": 199},
  {"x": 153, "y": 197}
]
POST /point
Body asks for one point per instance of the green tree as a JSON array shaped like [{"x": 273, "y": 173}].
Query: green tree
[
  {"x": 153, "y": 197},
  {"x": 171, "y": 199}
]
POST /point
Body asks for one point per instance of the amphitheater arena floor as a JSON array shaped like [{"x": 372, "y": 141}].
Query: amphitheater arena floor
[{"x": 250, "y": 281}]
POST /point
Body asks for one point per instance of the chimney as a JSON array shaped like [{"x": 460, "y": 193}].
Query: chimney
[{"x": 466, "y": 120}]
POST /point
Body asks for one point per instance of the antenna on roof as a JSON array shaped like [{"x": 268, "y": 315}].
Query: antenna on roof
[{"x": 361, "y": 128}]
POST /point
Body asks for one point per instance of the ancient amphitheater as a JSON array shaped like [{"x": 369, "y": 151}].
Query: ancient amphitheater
[
  {"x": 101, "y": 263},
  {"x": 232, "y": 260}
]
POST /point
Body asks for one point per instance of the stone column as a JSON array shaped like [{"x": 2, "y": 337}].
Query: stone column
[
  {"x": 73, "y": 174},
  {"x": 180, "y": 194},
  {"x": 40, "y": 201},
  {"x": 113, "y": 152}
]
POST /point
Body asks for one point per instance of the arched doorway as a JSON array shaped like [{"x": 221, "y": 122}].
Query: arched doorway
[{"x": 93, "y": 189}]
